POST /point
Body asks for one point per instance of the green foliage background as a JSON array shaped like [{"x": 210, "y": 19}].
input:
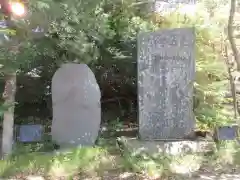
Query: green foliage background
[{"x": 103, "y": 35}]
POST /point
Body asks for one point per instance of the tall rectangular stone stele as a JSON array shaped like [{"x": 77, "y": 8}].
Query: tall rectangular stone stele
[{"x": 166, "y": 73}]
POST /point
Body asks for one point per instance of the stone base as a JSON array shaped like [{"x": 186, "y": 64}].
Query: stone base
[{"x": 166, "y": 147}]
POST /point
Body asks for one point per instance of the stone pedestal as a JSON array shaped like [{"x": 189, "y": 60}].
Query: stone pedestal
[
  {"x": 137, "y": 146},
  {"x": 154, "y": 157}
]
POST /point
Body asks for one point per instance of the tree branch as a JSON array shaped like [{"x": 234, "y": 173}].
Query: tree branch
[{"x": 230, "y": 34}]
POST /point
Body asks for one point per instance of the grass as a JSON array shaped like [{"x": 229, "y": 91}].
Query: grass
[
  {"x": 223, "y": 159},
  {"x": 104, "y": 161},
  {"x": 53, "y": 165},
  {"x": 87, "y": 160}
]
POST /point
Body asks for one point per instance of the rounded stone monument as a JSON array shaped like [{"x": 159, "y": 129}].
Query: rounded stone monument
[{"x": 76, "y": 106}]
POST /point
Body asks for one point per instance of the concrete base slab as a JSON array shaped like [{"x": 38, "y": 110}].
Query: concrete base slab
[
  {"x": 166, "y": 147},
  {"x": 158, "y": 157}
]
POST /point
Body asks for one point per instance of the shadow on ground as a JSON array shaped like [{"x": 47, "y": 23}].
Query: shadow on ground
[
  {"x": 100, "y": 162},
  {"x": 108, "y": 161}
]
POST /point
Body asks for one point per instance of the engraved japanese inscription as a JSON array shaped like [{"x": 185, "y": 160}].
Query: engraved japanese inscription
[{"x": 166, "y": 71}]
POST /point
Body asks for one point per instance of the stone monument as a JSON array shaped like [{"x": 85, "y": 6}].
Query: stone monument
[
  {"x": 166, "y": 73},
  {"x": 76, "y": 106}
]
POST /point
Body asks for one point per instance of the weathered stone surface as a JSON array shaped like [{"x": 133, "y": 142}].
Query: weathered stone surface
[
  {"x": 181, "y": 157},
  {"x": 76, "y": 106},
  {"x": 34, "y": 178},
  {"x": 168, "y": 6},
  {"x": 153, "y": 148},
  {"x": 166, "y": 72}
]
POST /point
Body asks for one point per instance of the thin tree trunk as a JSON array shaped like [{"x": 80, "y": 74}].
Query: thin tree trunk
[
  {"x": 8, "y": 117},
  {"x": 231, "y": 79},
  {"x": 234, "y": 96},
  {"x": 230, "y": 34}
]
